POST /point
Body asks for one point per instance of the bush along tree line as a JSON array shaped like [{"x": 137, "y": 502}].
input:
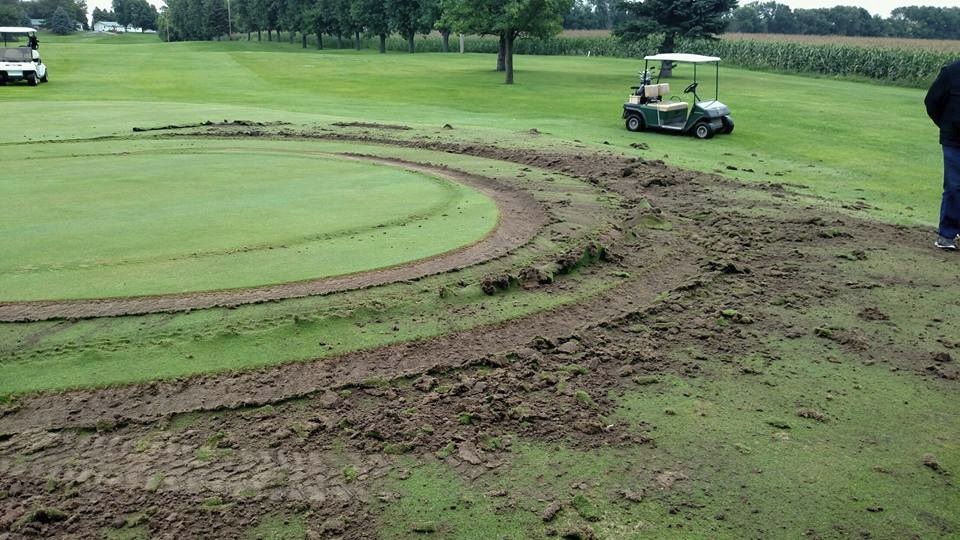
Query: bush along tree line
[
  {"x": 904, "y": 22},
  {"x": 18, "y": 13}
]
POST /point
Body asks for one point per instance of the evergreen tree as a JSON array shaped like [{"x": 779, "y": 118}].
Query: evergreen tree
[
  {"x": 672, "y": 18},
  {"x": 217, "y": 24},
  {"x": 61, "y": 23}
]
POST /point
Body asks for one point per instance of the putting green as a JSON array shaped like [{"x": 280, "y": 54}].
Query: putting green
[{"x": 196, "y": 219}]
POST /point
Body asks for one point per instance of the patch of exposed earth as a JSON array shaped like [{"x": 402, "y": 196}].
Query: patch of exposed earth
[{"x": 211, "y": 455}]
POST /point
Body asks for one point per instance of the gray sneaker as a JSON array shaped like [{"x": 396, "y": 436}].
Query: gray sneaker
[{"x": 948, "y": 244}]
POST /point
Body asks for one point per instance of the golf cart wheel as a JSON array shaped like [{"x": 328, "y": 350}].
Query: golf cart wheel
[
  {"x": 32, "y": 79},
  {"x": 635, "y": 123},
  {"x": 727, "y": 124},
  {"x": 44, "y": 78},
  {"x": 703, "y": 131}
]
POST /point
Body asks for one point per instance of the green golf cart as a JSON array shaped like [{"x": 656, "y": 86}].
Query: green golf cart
[{"x": 651, "y": 105}]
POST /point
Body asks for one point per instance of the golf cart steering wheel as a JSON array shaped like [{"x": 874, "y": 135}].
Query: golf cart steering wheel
[{"x": 692, "y": 87}]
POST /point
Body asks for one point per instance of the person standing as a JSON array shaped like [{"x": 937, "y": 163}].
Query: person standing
[{"x": 943, "y": 107}]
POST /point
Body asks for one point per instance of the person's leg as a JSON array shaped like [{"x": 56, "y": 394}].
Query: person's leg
[{"x": 950, "y": 206}]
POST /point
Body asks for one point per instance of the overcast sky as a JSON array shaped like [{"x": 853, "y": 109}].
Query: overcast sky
[{"x": 877, "y": 7}]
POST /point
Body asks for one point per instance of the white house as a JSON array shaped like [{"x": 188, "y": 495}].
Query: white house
[{"x": 108, "y": 26}]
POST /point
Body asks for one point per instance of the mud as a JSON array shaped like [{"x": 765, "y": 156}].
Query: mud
[
  {"x": 210, "y": 123},
  {"x": 372, "y": 125},
  {"x": 212, "y": 455}
]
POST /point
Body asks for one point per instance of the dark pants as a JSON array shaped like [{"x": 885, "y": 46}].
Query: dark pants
[{"x": 950, "y": 207}]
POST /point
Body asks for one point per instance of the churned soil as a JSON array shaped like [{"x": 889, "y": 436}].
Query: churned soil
[{"x": 212, "y": 455}]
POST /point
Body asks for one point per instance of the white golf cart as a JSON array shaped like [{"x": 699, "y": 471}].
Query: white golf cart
[
  {"x": 19, "y": 56},
  {"x": 651, "y": 106}
]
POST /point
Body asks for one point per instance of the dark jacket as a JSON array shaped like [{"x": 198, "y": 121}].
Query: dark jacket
[{"x": 943, "y": 104}]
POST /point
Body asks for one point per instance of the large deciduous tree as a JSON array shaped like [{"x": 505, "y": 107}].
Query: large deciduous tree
[
  {"x": 509, "y": 19},
  {"x": 409, "y": 18},
  {"x": 674, "y": 18},
  {"x": 10, "y": 13},
  {"x": 374, "y": 18}
]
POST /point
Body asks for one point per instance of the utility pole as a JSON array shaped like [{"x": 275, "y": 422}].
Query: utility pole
[{"x": 229, "y": 23}]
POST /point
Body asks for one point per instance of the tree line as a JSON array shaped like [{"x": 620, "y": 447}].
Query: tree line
[
  {"x": 908, "y": 22},
  {"x": 349, "y": 20},
  {"x": 18, "y": 13}
]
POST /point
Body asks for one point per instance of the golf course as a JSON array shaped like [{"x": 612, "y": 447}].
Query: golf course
[{"x": 255, "y": 290}]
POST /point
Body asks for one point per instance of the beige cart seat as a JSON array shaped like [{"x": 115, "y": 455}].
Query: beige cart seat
[
  {"x": 662, "y": 91},
  {"x": 666, "y": 106}
]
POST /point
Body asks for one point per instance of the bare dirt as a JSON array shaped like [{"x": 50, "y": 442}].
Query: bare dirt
[{"x": 316, "y": 437}]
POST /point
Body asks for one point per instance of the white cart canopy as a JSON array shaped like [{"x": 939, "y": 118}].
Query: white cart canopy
[
  {"x": 16, "y": 30},
  {"x": 681, "y": 57}
]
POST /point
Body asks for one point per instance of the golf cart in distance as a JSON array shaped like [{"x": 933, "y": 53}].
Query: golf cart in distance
[
  {"x": 19, "y": 57},
  {"x": 651, "y": 105}
]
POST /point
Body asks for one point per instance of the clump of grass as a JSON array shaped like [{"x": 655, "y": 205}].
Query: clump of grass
[
  {"x": 491, "y": 443},
  {"x": 397, "y": 448},
  {"x": 584, "y": 398},
  {"x": 281, "y": 479},
  {"x": 39, "y": 514},
  {"x": 574, "y": 369},
  {"x": 350, "y": 473},
  {"x": 586, "y": 508},
  {"x": 214, "y": 504},
  {"x": 446, "y": 451}
]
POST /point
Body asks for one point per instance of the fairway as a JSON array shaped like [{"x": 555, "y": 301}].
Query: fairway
[{"x": 185, "y": 218}]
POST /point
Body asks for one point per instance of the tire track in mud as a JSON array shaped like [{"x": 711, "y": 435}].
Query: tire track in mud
[
  {"x": 521, "y": 218},
  {"x": 147, "y": 402},
  {"x": 115, "y": 462}
]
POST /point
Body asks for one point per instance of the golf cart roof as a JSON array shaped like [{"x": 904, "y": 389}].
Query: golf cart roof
[
  {"x": 681, "y": 57},
  {"x": 17, "y": 30}
]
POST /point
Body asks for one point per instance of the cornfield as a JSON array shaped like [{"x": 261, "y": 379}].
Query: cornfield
[
  {"x": 945, "y": 45},
  {"x": 912, "y": 66}
]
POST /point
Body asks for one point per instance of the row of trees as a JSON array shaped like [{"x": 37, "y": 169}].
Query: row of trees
[
  {"x": 62, "y": 16},
  {"x": 135, "y": 13},
  {"x": 351, "y": 19},
  {"x": 911, "y": 21}
]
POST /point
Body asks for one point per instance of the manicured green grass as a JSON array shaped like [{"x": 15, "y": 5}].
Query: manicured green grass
[
  {"x": 846, "y": 140},
  {"x": 98, "y": 352},
  {"x": 102, "y": 219}
]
